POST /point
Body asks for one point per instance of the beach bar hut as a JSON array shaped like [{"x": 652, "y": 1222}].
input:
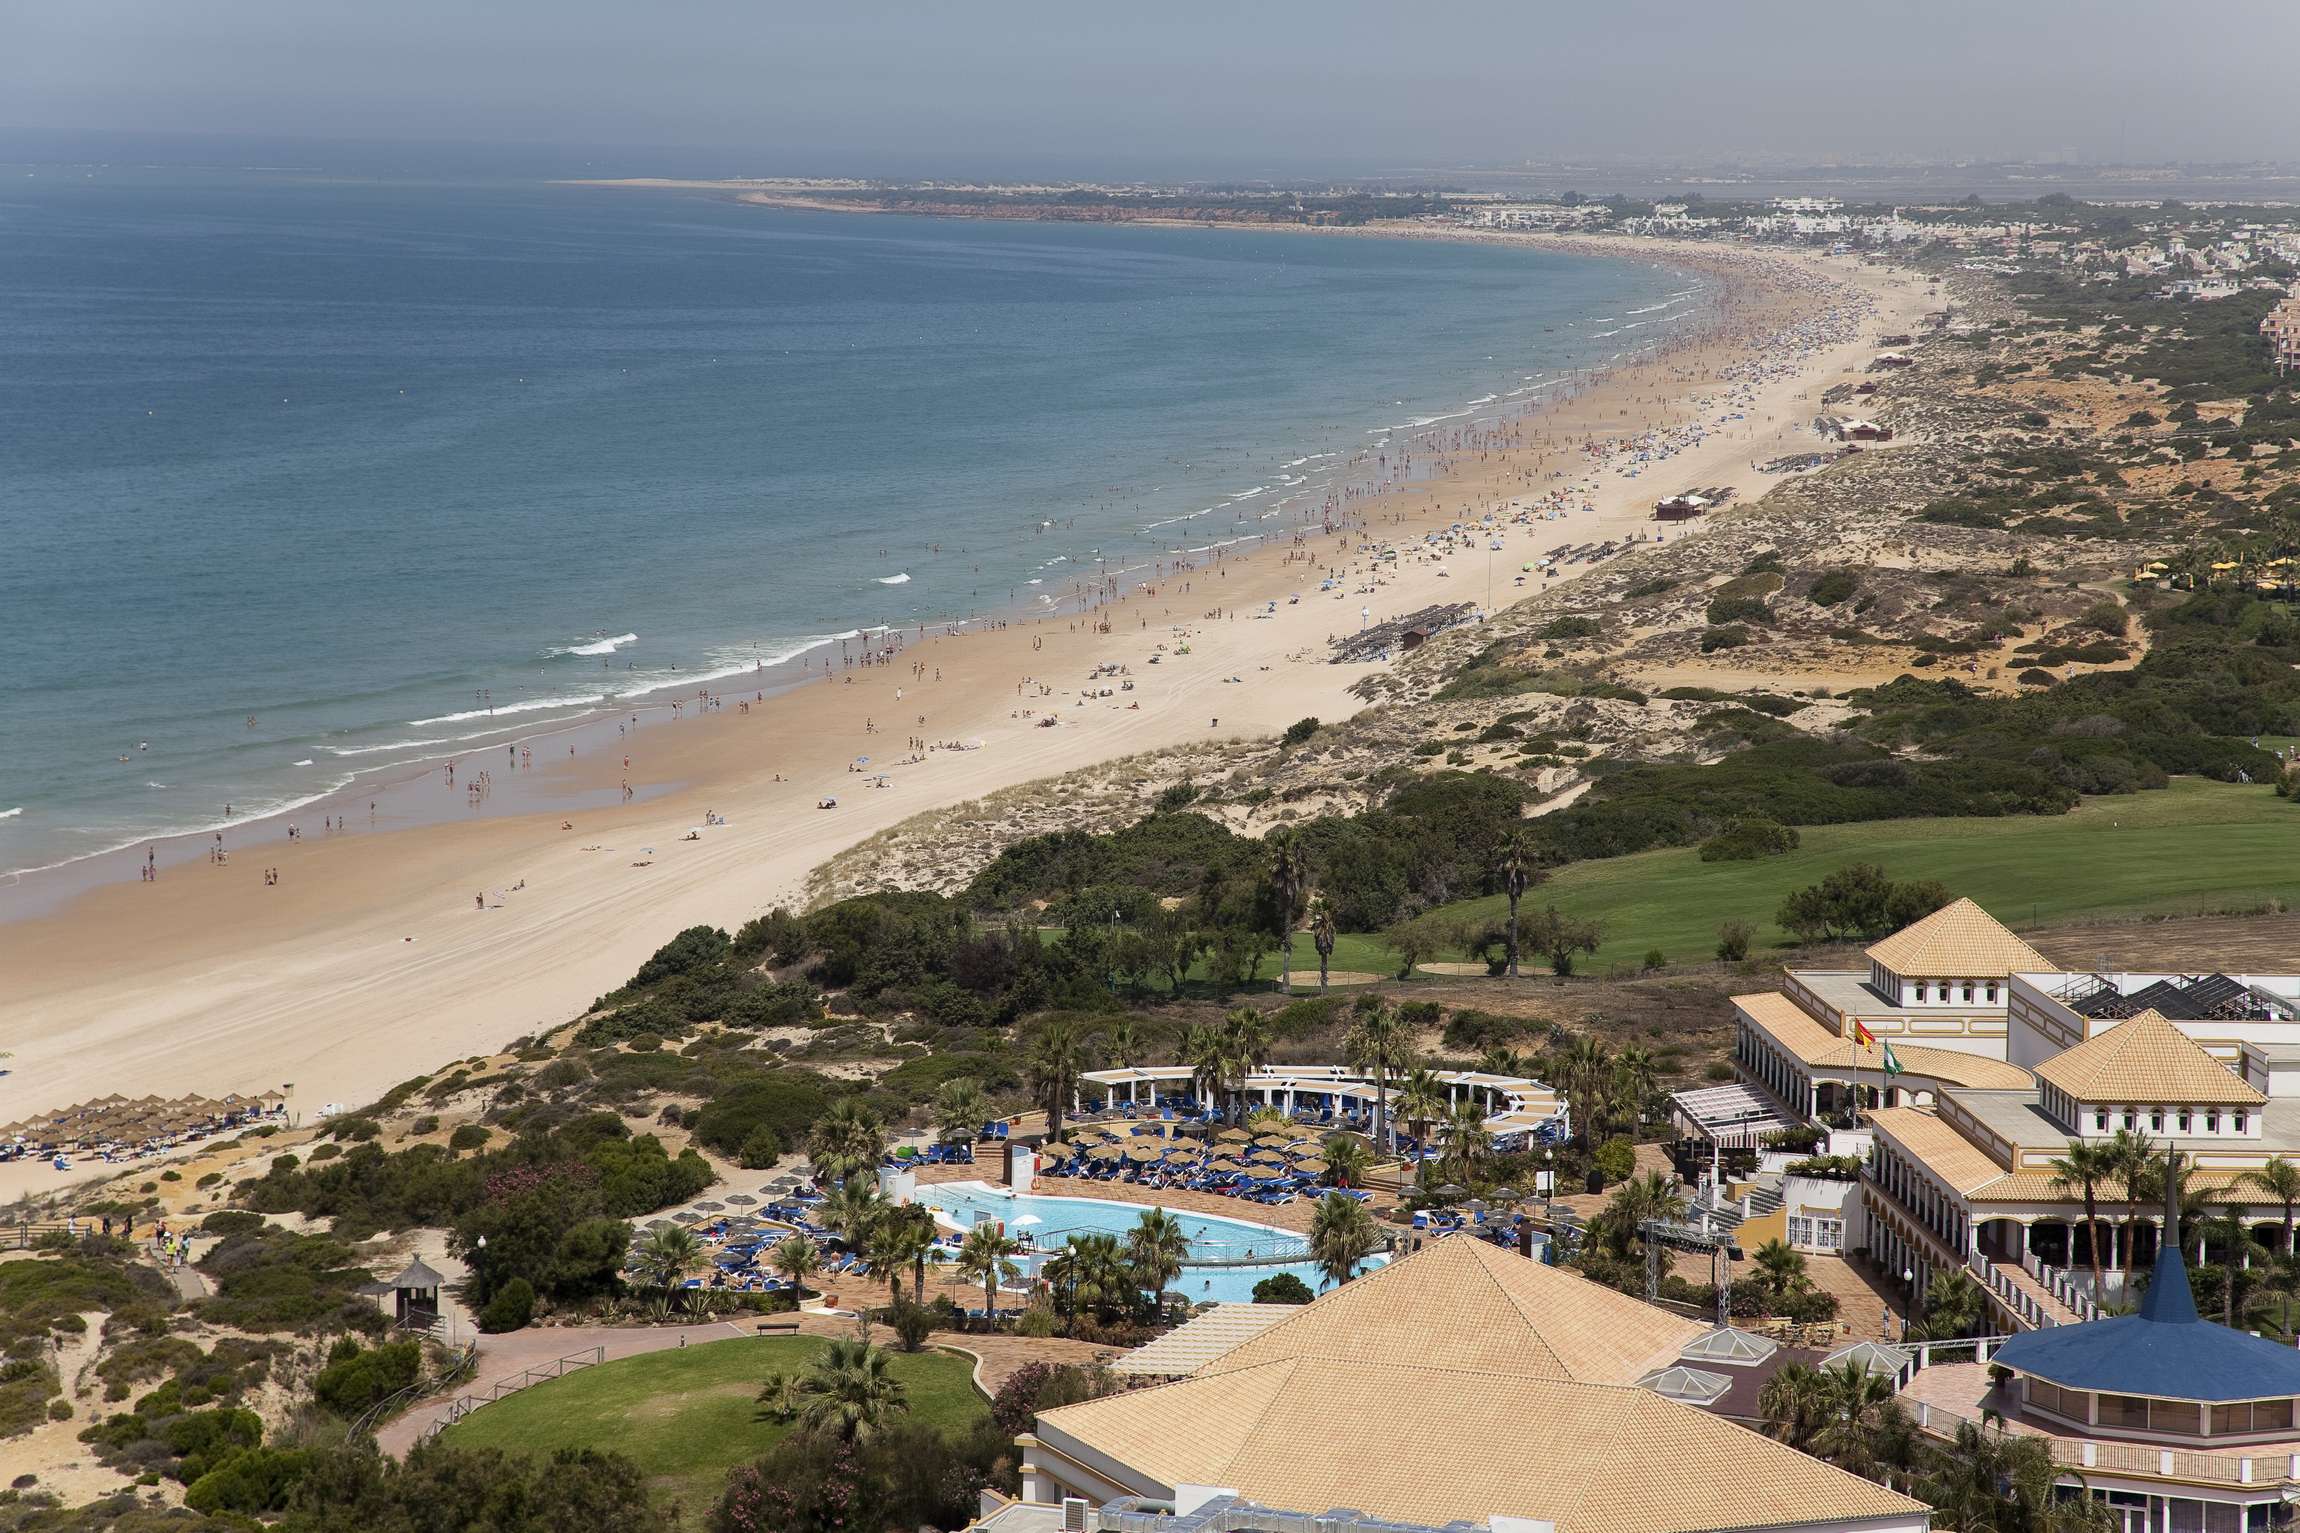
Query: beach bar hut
[{"x": 415, "y": 1295}]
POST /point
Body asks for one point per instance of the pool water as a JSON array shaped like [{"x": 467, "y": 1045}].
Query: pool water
[{"x": 1212, "y": 1239}]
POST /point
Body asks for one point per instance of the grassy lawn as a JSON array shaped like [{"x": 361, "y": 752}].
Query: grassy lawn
[
  {"x": 688, "y": 1416},
  {"x": 2192, "y": 848}
]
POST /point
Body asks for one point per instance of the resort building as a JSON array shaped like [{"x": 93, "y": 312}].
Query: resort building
[
  {"x": 1571, "y": 1423},
  {"x": 2282, "y": 327},
  {"x": 2180, "y": 1425},
  {"x": 1315, "y": 1094}
]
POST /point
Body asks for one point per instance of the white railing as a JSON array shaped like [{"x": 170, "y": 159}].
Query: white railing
[
  {"x": 2192, "y": 1465},
  {"x": 2020, "y": 1301},
  {"x": 2062, "y": 1286},
  {"x": 463, "y": 1405},
  {"x": 1924, "y": 1354}
]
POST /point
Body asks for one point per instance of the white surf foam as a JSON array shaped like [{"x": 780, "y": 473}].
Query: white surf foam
[
  {"x": 588, "y": 700},
  {"x": 895, "y": 580},
  {"x": 597, "y": 646}
]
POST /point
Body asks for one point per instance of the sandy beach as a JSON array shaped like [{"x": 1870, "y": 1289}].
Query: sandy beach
[{"x": 377, "y": 956}]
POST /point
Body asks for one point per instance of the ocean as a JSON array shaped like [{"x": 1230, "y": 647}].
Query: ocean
[{"x": 307, "y": 481}]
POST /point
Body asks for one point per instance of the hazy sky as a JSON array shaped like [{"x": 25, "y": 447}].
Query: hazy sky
[{"x": 1174, "y": 86}]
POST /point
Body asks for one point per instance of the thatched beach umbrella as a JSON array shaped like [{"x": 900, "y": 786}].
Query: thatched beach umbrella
[
  {"x": 1314, "y": 1167},
  {"x": 1226, "y": 1167},
  {"x": 1142, "y": 1153},
  {"x": 710, "y": 1208},
  {"x": 1233, "y": 1136},
  {"x": 1104, "y": 1152},
  {"x": 741, "y": 1198},
  {"x": 688, "y": 1216}
]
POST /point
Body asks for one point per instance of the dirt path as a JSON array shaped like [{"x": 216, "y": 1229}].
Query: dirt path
[{"x": 53, "y": 1452}]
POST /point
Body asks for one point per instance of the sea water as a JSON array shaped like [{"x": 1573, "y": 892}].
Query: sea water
[{"x": 304, "y": 479}]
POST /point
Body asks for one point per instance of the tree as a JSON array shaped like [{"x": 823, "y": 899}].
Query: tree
[
  {"x": 1519, "y": 870},
  {"x": 1379, "y": 1042},
  {"x": 1342, "y": 1235},
  {"x": 1322, "y": 935},
  {"x": 852, "y": 1209},
  {"x": 849, "y": 1393},
  {"x": 2131, "y": 1159},
  {"x": 1347, "y": 1157},
  {"x": 1733, "y": 940},
  {"x": 1559, "y": 937},
  {"x": 2280, "y": 1179},
  {"x": 1622, "y": 1221},
  {"x": 2086, "y": 1166},
  {"x": 350, "y": 1486},
  {"x": 1468, "y": 1147},
  {"x": 1092, "y": 1274},
  {"x": 1059, "y": 1053},
  {"x": 1858, "y": 899},
  {"x": 666, "y": 1257},
  {"x": 1783, "y": 1268},
  {"x": 796, "y": 1259},
  {"x": 1156, "y": 1247},
  {"x": 987, "y": 1256},
  {"x": 1282, "y": 1288},
  {"x": 1289, "y": 880},
  {"x": 1954, "y": 1306},
  {"x": 1993, "y": 1482},
  {"x": 1588, "y": 1070},
  {"x": 960, "y": 1110},
  {"x": 903, "y": 1237},
  {"x": 1793, "y": 1402},
  {"x": 1126, "y": 1045},
  {"x": 847, "y": 1141},
  {"x": 1636, "y": 1079},
  {"x": 1421, "y": 1101},
  {"x": 1207, "y": 1054}
]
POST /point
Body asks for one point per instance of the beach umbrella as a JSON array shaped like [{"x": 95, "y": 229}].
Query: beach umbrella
[
  {"x": 1507, "y": 1195},
  {"x": 741, "y": 1197},
  {"x": 1147, "y": 1128},
  {"x": 1273, "y": 1141},
  {"x": 1314, "y": 1167},
  {"x": 1025, "y": 1221},
  {"x": 688, "y": 1216},
  {"x": 1451, "y": 1191},
  {"x": 1143, "y": 1152},
  {"x": 1226, "y": 1167},
  {"x": 659, "y": 1224},
  {"x": 1233, "y": 1136},
  {"x": 1104, "y": 1152},
  {"x": 710, "y": 1208}
]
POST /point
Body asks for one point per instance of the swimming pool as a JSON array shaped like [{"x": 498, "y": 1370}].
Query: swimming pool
[{"x": 1232, "y": 1243}]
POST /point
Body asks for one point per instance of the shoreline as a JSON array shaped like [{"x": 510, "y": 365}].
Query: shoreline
[
  {"x": 376, "y": 797},
  {"x": 379, "y": 965}
]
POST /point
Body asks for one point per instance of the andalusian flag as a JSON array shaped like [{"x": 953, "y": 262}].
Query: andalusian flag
[{"x": 1892, "y": 1062}]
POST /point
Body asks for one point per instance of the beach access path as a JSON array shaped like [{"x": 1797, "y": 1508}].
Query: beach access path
[{"x": 369, "y": 963}]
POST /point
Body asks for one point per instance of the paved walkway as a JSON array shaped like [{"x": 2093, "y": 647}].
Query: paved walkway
[{"x": 501, "y": 1357}]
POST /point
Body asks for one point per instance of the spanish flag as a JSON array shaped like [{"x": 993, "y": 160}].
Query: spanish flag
[{"x": 1867, "y": 1038}]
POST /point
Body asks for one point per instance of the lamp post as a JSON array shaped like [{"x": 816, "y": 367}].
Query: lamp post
[
  {"x": 1908, "y": 1300},
  {"x": 1549, "y": 1188},
  {"x": 479, "y": 1265}
]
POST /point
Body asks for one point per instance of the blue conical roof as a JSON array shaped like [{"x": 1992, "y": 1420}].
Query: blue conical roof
[{"x": 2165, "y": 1350}]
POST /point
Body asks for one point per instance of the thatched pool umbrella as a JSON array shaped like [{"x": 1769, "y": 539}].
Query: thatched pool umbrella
[
  {"x": 1233, "y": 1136},
  {"x": 1148, "y": 1128},
  {"x": 688, "y": 1216},
  {"x": 1104, "y": 1152},
  {"x": 710, "y": 1208},
  {"x": 1314, "y": 1167},
  {"x": 741, "y": 1198},
  {"x": 1143, "y": 1153},
  {"x": 1226, "y": 1167},
  {"x": 1273, "y": 1141}
]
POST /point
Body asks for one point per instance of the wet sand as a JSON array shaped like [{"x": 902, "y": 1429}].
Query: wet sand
[{"x": 386, "y": 953}]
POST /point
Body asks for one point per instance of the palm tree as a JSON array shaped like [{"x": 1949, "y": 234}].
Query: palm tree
[
  {"x": 1342, "y": 1235},
  {"x": 850, "y": 1392},
  {"x": 1058, "y": 1054},
  {"x": 1501, "y": 1061},
  {"x": 2086, "y": 1166},
  {"x": 2132, "y": 1158},
  {"x": 1091, "y": 1273},
  {"x": 1588, "y": 1066},
  {"x": 960, "y": 1109},
  {"x": 2238, "y": 1246},
  {"x": 1208, "y": 1055},
  {"x": 1993, "y": 1482},
  {"x": 2280, "y": 1179},
  {"x": 1636, "y": 1076},
  {"x": 1126, "y": 1044},
  {"x": 1793, "y": 1402},
  {"x": 1246, "y": 1034},
  {"x": 1641, "y": 1198},
  {"x": 1783, "y": 1267},
  {"x": 1289, "y": 880},
  {"x": 1322, "y": 935},
  {"x": 1468, "y": 1147},
  {"x": 903, "y": 1237},
  {"x": 796, "y": 1260},
  {"x": 1519, "y": 869},
  {"x": 667, "y": 1255},
  {"x": 1156, "y": 1248},
  {"x": 1954, "y": 1306},
  {"x": 1379, "y": 1043},
  {"x": 847, "y": 1141},
  {"x": 1859, "y": 1410},
  {"x": 853, "y": 1210},
  {"x": 1347, "y": 1157},
  {"x": 987, "y": 1256},
  {"x": 1421, "y": 1101}
]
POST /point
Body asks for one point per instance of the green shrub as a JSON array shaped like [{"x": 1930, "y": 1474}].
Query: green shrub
[
  {"x": 1748, "y": 838},
  {"x": 360, "y": 1377},
  {"x": 251, "y": 1482},
  {"x": 1298, "y": 732},
  {"x": 1616, "y": 1159},
  {"x": 511, "y": 1309},
  {"x": 1730, "y": 637},
  {"x": 1282, "y": 1288},
  {"x": 468, "y": 1136},
  {"x": 1834, "y": 588},
  {"x": 1570, "y": 628}
]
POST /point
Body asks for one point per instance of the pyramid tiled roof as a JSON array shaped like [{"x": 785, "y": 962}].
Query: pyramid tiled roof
[
  {"x": 1958, "y": 941},
  {"x": 2146, "y": 1059}
]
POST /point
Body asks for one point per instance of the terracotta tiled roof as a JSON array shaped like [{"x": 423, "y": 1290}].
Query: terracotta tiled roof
[
  {"x": 1958, "y": 941},
  {"x": 1959, "y": 1163},
  {"x": 1432, "y": 1445},
  {"x": 2146, "y": 1059},
  {"x": 1198, "y": 1340},
  {"x": 1820, "y": 1047},
  {"x": 1468, "y": 1304}
]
